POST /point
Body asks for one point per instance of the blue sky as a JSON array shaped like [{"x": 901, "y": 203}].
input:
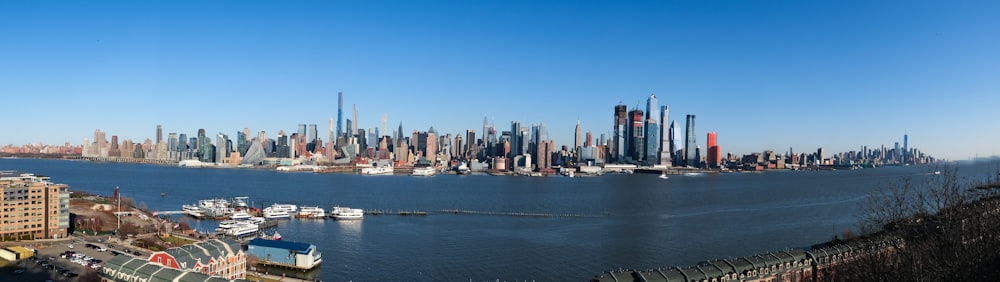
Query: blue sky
[{"x": 763, "y": 74}]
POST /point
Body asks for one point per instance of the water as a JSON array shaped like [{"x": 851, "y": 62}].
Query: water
[{"x": 625, "y": 221}]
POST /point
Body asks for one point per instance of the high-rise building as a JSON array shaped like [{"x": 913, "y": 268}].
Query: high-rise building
[
  {"x": 636, "y": 141},
  {"x": 672, "y": 139},
  {"x": 652, "y": 142},
  {"x": 617, "y": 146},
  {"x": 340, "y": 114},
  {"x": 431, "y": 153},
  {"x": 906, "y": 148},
  {"x": 714, "y": 157},
  {"x": 665, "y": 137},
  {"x": 313, "y": 133},
  {"x": 242, "y": 144},
  {"x": 34, "y": 207},
  {"x": 221, "y": 147},
  {"x": 691, "y": 158},
  {"x": 159, "y": 134},
  {"x": 515, "y": 140},
  {"x": 578, "y": 134}
]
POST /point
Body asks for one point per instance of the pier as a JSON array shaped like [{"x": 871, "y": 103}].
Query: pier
[
  {"x": 525, "y": 214},
  {"x": 393, "y": 212}
]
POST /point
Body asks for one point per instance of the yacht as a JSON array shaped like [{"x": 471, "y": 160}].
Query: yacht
[
  {"x": 242, "y": 229},
  {"x": 424, "y": 171},
  {"x": 194, "y": 211},
  {"x": 256, "y": 220},
  {"x": 226, "y": 225},
  {"x": 311, "y": 212},
  {"x": 270, "y": 213},
  {"x": 240, "y": 215},
  {"x": 287, "y": 208},
  {"x": 347, "y": 213}
]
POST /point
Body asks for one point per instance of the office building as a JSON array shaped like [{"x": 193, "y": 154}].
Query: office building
[
  {"x": 618, "y": 144},
  {"x": 666, "y": 137}
]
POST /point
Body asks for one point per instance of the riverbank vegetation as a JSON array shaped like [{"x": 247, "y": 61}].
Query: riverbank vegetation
[{"x": 942, "y": 228}]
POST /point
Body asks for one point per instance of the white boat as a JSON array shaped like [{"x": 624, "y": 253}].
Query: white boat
[
  {"x": 226, "y": 225},
  {"x": 270, "y": 213},
  {"x": 288, "y": 208},
  {"x": 240, "y": 215},
  {"x": 343, "y": 213},
  {"x": 380, "y": 170},
  {"x": 311, "y": 212},
  {"x": 256, "y": 220},
  {"x": 664, "y": 176},
  {"x": 193, "y": 210},
  {"x": 242, "y": 229},
  {"x": 424, "y": 171}
]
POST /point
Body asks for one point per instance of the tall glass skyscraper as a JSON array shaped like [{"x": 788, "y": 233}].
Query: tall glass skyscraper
[{"x": 690, "y": 156}]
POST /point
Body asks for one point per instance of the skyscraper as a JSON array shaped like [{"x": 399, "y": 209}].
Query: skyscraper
[
  {"x": 354, "y": 130},
  {"x": 159, "y": 134},
  {"x": 617, "y": 146},
  {"x": 652, "y": 142},
  {"x": 636, "y": 138},
  {"x": 577, "y": 142},
  {"x": 340, "y": 114},
  {"x": 714, "y": 157},
  {"x": 666, "y": 148},
  {"x": 690, "y": 156},
  {"x": 906, "y": 148},
  {"x": 313, "y": 133}
]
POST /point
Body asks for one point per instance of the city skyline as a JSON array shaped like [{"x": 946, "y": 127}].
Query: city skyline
[{"x": 764, "y": 78}]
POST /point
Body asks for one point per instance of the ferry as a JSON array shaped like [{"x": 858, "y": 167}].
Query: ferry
[
  {"x": 381, "y": 170},
  {"x": 311, "y": 212},
  {"x": 344, "y": 213},
  {"x": 424, "y": 171},
  {"x": 226, "y": 225},
  {"x": 270, "y": 213}
]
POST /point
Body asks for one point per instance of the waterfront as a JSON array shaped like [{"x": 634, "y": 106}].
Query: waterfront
[{"x": 630, "y": 221}]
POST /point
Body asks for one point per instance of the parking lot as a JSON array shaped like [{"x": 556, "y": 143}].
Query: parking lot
[{"x": 50, "y": 265}]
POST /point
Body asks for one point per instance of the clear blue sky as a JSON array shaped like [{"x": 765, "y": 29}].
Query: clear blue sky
[{"x": 763, "y": 74}]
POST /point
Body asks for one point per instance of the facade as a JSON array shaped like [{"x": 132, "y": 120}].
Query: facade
[
  {"x": 216, "y": 257},
  {"x": 285, "y": 253},
  {"x": 666, "y": 138},
  {"x": 33, "y": 207}
]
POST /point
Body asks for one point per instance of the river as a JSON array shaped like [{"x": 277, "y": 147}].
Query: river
[{"x": 600, "y": 223}]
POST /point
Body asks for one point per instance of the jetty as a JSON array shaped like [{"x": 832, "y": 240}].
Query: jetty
[{"x": 526, "y": 214}]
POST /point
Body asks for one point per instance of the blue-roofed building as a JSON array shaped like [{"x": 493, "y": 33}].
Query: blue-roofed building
[{"x": 285, "y": 253}]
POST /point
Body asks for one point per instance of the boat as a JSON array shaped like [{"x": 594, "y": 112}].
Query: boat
[
  {"x": 240, "y": 215},
  {"x": 345, "y": 213},
  {"x": 242, "y": 229},
  {"x": 664, "y": 176},
  {"x": 462, "y": 168},
  {"x": 424, "y": 171},
  {"x": 193, "y": 210},
  {"x": 311, "y": 212},
  {"x": 270, "y": 213},
  {"x": 288, "y": 208},
  {"x": 256, "y": 220},
  {"x": 379, "y": 170},
  {"x": 226, "y": 225}
]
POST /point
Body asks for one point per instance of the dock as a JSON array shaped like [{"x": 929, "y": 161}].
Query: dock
[{"x": 525, "y": 214}]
